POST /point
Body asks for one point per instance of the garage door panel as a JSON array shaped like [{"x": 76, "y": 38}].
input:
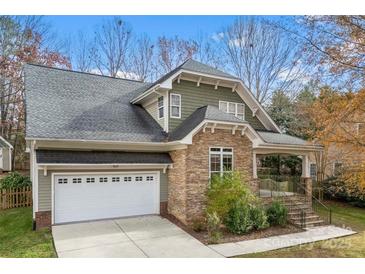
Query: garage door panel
[{"x": 107, "y": 199}]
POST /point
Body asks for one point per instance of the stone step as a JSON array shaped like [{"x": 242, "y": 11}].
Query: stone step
[
  {"x": 307, "y": 218},
  {"x": 310, "y": 223}
]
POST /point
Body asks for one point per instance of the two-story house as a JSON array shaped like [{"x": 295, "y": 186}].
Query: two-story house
[{"x": 103, "y": 147}]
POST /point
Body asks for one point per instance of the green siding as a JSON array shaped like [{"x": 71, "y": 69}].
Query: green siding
[
  {"x": 193, "y": 97},
  {"x": 45, "y": 187}
]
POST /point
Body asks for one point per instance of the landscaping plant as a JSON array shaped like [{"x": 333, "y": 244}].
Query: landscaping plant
[
  {"x": 225, "y": 191},
  {"x": 213, "y": 226},
  {"x": 15, "y": 180},
  {"x": 277, "y": 214},
  {"x": 238, "y": 219},
  {"x": 258, "y": 217}
]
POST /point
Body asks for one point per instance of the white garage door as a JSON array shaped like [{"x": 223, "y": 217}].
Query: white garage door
[{"x": 81, "y": 197}]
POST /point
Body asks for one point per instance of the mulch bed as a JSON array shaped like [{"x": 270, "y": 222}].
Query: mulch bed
[{"x": 230, "y": 237}]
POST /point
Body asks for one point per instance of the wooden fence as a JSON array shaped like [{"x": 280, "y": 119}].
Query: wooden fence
[{"x": 15, "y": 197}]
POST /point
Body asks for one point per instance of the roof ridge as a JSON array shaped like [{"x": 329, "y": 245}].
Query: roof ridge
[{"x": 82, "y": 72}]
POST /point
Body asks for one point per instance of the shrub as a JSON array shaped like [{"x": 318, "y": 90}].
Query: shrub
[
  {"x": 238, "y": 219},
  {"x": 213, "y": 226},
  {"x": 336, "y": 188},
  {"x": 225, "y": 191},
  {"x": 15, "y": 180},
  {"x": 258, "y": 217},
  {"x": 277, "y": 214}
]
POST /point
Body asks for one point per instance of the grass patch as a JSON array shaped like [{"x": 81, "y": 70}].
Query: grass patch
[
  {"x": 343, "y": 215},
  {"x": 18, "y": 240}
]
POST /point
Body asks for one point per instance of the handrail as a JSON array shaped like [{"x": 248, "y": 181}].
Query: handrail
[{"x": 319, "y": 202}]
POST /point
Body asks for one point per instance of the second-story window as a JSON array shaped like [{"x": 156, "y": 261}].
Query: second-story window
[
  {"x": 236, "y": 109},
  {"x": 160, "y": 107},
  {"x": 175, "y": 100}
]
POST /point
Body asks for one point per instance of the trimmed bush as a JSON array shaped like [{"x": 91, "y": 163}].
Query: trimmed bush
[
  {"x": 238, "y": 219},
  {"x": 15, "y": 180},
  {"x": 258, "y": 217},
  {"x": 225, "y": 191},
  {"x": 277, "y": 214}
]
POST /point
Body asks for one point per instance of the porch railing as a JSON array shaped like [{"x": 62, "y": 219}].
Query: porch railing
[
  {"x": 278, "y": 185},
  {"x": 275, "y": 186}
]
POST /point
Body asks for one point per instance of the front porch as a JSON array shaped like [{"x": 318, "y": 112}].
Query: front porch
[{"x": 286, "y": 177}]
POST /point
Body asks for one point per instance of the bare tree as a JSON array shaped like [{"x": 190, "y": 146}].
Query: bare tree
[
  {"x": 142, "y": 59},
  {"x": 111, "y": 47},
  {"x": 207, "y": 52},
  {"x": 21, "y": 42},
  {"x": 263, "y": 57},
  {"x": 172, "y": 52},
  {"x": 83, "y": 53}
]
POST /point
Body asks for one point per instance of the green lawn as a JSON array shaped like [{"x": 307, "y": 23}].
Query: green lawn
[
  {"x": 346, "y": 247},
  {"x": 18, "y": 240}
]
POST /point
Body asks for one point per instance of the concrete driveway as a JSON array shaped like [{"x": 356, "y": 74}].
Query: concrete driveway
[{"x": 137, "y": 237}]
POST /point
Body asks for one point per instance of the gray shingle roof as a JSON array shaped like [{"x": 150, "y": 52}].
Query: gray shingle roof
[
  {"x": 100, "y": 157},
  {"x": 202, "y": 113},
  {"x": 63, "y": 104},
  {"x": 278, "y": 138},
  {"x": 3, "y": 143},
  {"x": 190, "y": 65}
]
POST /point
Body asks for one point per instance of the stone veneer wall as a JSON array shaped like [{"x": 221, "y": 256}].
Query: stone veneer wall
[{"x": 189, "y": 177}]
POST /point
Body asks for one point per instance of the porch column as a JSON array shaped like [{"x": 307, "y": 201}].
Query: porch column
[
  {"x": 305, "y": 167},
  {"x": 254, "y": 166},
  {"x": 306, "y": 179}
]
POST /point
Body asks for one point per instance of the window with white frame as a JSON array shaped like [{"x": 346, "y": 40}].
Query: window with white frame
[
  {"x": 62, "y": 181},
  {"x": 175, "y": 105},
  {"x": 220, "y": 160},
  {"x": 237, "y": 109},
  {"x": 90, "y": 180},
  {"x": 337, "y": 168},
  {"x": 103, "y": 179},
  {"x": 76, "y": 180},
  {"x": 115, "y": 179},
  {"x": 160, "y": 107},
  {"x": 313, "y": 171}
]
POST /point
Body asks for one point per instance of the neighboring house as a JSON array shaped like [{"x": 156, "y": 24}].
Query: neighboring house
[
  {"x": 104, "y": 147},
  {"x": 5, "y": 155}
]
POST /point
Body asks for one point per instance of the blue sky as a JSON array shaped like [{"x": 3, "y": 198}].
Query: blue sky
[
  {"x": 154, "y": 26},
  {"x": 183, "y": 26}
]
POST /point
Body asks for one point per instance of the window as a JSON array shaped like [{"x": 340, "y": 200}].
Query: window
[
  {"x": 76, "y": 180},
  {"x": 175, "y": 100},
  {"x": 127, "y": 179},
  {"x": 103, "y": 179},
  {"x": 337, "y": 169},
  {"x": 115, "y": 179},
  {"x": 160, "y": 107},
  {"x": 149, "y": 178},
  {"x": 313, "y": 171},
  {"x": 62, "y": 181},
  {"x": 221, "y": 160},
  {"x": 139, "y": 178},
  {"x": 90, "y": 180},
  {"x": 236, "y": 109}
]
